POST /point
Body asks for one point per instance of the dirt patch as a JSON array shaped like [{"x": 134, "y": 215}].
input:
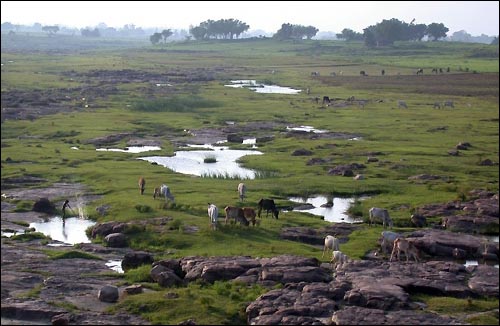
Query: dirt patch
[{"x": 469, "y": 84}]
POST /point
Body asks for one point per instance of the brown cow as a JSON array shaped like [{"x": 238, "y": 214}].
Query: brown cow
[
  {"x": 142, "y": 185},
  {"x": 403, "y": 245},
  {"x": 235, "y": 213},
  {"x": 249, "y": 214}
]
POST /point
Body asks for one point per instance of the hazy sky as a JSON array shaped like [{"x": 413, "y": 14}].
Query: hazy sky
[{"x": 475, "y": 17}]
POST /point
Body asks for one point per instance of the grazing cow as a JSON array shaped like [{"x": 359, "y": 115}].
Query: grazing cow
[
  {"x": 382, "y": 72},
  {"x": 165, "y": 192},
  {"x": 437, "y": 105},
  {"x": 338, "y": 259},
  {"x": 142, "y": 185},
  {"x": 156, "y": 192},
  {"x": 326, "y": 100},
  {"x": 420, "y": 71},
  {"x": 418, "y": 220},
  {"x": 403, "y": 245},
  {"x": 449, "y": 103},
  {"x": 362, "y": 73},
  {"x": 331, "y": 243},
  {"x": 315, "y": 73},
  {"x": 235, "y": 213},
  {"x": 242, "y": 189},
  {"x": 249, "y": 214},
  {"x": 269, "y": 206},
  {"x": 380, "y": 214},
  {"x": 213, "y": 214},
  {"x": 388, "y": 238},
  {"x": 402, "y": 104}
]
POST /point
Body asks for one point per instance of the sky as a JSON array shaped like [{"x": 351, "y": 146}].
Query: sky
[{"x": 475, "y": 17}]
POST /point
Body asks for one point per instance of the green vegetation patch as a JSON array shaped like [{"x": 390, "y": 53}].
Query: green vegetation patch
[{"x": 221, "y": 303}]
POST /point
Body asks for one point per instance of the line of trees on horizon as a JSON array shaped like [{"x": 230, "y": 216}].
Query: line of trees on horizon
[{"x": 381, "y": 34}]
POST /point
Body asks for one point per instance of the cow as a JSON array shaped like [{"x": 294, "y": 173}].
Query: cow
[
  {"x": 437, "y": 105},
  {"x": 242, "y": 189},
  {"x": 381, "y": 214},
  {"x": 402, "y": 104},
  {"x": 387, "y": 242},
  {"x": 363, "y": 73},
  {"x": 420, "y": 71},
  {"x": 142, "y": 185},
  {"x": 338, "y": 259},
  {"x": 315, "y": 73},
  {"x": 156, "y": 192},
  {"x": 249, "y": 214},
  {"x": 269, "y": 206},
  {"x": 213, "y": 214},
  {"x": 449, "y": 103},
  {"x": 165, "y": 192},
  {"x": 326, "y": 100},
  {"x": 382, "y": 72},
  {"x": 235, "y": 213},
  {"x": 403, "y": 245},
  {"x": 331, "y": 243}
]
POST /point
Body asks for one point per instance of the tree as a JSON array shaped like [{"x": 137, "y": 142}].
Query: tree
[
  {"x": 417, "y": 32},
  {"x": 155, "y": 38},
  {"x": 437, "y": 31},
  {"x": 87, "y": 32},
  {"x": 296, "y": 32},
  {"x": 166, "y": 33},
  {"x": 50, "y": 29},
  {"x": 349, "y": 35},
  {"x": 222, "y": 28}
]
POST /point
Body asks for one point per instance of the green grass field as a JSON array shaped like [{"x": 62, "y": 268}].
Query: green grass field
[{"x": 117, "y": 80}]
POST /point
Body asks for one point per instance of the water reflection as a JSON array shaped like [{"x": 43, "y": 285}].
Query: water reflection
[
  {"x": 131, "y": 149},
  {"x": 307, "y": 129},
  {"x": 262, "y": 88},
  {"x": 336, "y": 213},
  {"x": 115, "y": 265},
  {"x": 71, "y": 230},
  {"x": 193, "y": 162}
]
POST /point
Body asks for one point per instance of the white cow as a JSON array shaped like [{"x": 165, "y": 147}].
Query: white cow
[
  {"x": 449, "y": 103},
  {"x": 242, "y": 189},
  {"x": 213, "y": 214},
  {"x": 380, "y": 214},
  {"x": 338, "y": 259},
  {"x": 388, "y": 238},
  {"x": 402, "y": 104},
  {"x": 165, "y": 191},
  {"x": 331, "y": 243}
]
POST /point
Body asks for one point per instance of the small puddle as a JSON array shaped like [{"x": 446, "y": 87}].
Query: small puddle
[
  {"x": 131, "y": 149},
  {"x": 307, "y": 129},
  {"x": 336, "y": 213},
  {"x": 262, "y": 88},
  {"x": 115, "y": 265},
  {"x": 193, "y": 162},
  {"x": 69, "y": 231}
]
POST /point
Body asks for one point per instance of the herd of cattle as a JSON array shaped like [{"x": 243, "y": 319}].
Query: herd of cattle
[
  {"x": 246, "y": 215},
  {"x": 242, "y": 215}
]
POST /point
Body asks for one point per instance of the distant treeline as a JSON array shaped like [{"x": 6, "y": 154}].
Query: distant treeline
[{"x": 381, "y": 34}]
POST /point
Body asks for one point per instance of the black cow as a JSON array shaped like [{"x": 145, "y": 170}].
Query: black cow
[
  {"x": 326, "y": 99},
  {"x": 269, "y": 206}
]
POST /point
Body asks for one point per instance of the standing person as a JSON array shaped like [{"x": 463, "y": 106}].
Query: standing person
[{"x": 65, "y": 205}]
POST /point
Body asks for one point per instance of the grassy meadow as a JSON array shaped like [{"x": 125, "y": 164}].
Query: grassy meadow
[{"x": 407, "y": 142}]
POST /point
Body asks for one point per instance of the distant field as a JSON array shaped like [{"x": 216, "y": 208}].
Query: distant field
[{"x": 61, "y": 92}]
